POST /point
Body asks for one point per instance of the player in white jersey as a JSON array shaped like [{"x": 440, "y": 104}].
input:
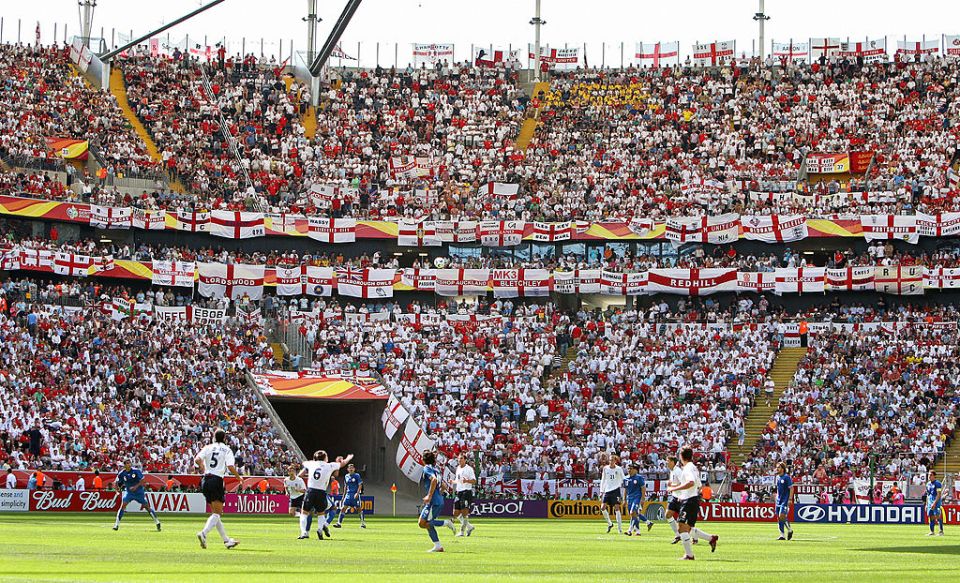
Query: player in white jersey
[
  {"x": 611, "y": 492},
  {"x": 295, "y": 490},
  {"x": 318, "y": 472},
  {"x": 214, "y": 461},
  {"x": 464, "y": 483},
  {"x": 688, "y": 493},
  {"x": 673, "y": 505}
]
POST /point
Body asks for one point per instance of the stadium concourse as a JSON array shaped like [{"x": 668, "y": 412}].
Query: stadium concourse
[{"x": 622, "y": 280}]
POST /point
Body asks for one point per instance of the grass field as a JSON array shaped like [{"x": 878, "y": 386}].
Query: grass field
[{"x": 84, "y": 548}]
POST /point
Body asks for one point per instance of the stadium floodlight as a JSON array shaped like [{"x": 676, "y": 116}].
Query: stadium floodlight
[
  {"x": 331, "y": 43},
  {"x": 537, "y": 22},
  {"x": 761, "y": 18},
  {"x": 110, "y": 55}
]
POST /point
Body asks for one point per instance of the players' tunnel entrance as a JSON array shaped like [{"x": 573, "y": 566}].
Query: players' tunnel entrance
[{"x": 340, "y": 428}]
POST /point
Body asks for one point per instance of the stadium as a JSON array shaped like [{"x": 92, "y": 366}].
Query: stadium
[{"x": 530, "y": 309}]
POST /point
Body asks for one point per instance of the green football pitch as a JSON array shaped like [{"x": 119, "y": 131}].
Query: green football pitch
[{"x": 84, "y": 548}]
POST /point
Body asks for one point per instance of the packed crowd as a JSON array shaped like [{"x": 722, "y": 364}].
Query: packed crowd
[
  {"x": 652, "y": 142},
  {"x": 42, "y": 98},
  {"x": 82, "y": 390},
  {"x": 862, "y": 393}
]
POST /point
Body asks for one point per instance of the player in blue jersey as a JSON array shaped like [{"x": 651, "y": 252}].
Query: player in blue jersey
[
  {"x": 934, "y": 497},
  {"x": 430, "y": 482},
  {"x": 353, "y": 486},
  {"x": 784, "y": 485},
  {"x": 636, "y": 492},
  {"x": 130, "y": 481}
]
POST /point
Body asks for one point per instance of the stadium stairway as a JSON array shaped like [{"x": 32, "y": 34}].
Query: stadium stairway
[
  {"x": 529, "y": 127},
  {"x": 784, "y": 367},
  {"x": 951, "y": 461},
  {"x": 118, "y": 88},
  {"x": 310, "y": 122}
]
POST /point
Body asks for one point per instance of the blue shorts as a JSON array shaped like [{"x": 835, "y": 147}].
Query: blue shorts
[
  {"x": 140, "y": 497},
  {"x": 431, "y": 511},
  {"x": 351, "y": 501},
  {"x": 782, "y": 509},
  {"x": 934, "y": 511},
  {"x": 634, "y": 505}
]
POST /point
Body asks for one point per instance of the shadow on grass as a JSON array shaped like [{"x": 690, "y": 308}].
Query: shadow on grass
[{"x": 926, "y": 549}]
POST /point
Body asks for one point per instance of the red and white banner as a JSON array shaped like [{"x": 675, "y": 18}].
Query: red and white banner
[
  {"x": 794, "y": 280},
  {"x": 190, "y": 221},
  {"x": 951, "y": 45},
  {"x": 432, "y": 53},
  {"x": 319, "y": 281},
  {"x": 459, "y": 282},
  {"x": 365, "y": 283},
  {"x": 713, "y": 54},
  {"x": 37, "y": 258},
  {"x": 500, "y": 233},
  {"x": 413, "y": 167},
  {"x": 72, "y": 264},
  {"x": 872, "y": 51},
  {"x": 903, "y": 280},
  {"x": 551, "y": 232},
  {"x": 520, "y": 283},
  {"x": 584, "y": 281},
  {"x": 615, "y": 283},
  {"x": 332, "y": 230},
  {"x": 291, "y": 281},
  {"x": 918, "y": 47},
  {"x": 490, "y": 58},
  {"x": 457, "y": 231},
  {"x": 419, "y": 278},
  {"x": 413, "y": 442},
  {"x": 792, "y": 51},
  {"x": 567, "y": 56},
  {"x": 774, "y": 228},
  {"x": 110, "y": 217},
  {"x": 889, "y": 227},
  {"x": 232, "y": 280},
  {"x": 417, "y": 234},
  {"x": 393, "y": 416},
  {"x": 938, "y": 225},
  {"x": 850, "y": 278},
  {"x": 284, "y": 222},
  {"x": 657, "y": 54},
  {"x": 941, "y": 277},
  {"x": 110, "y": 501},
  {"x": 192, "y": 314},
  {"x": 148, "y": 220},
  {"x": 500, "y": 189},
  {"x": 174, "y": 273},
  {"x": 237, "y": 225},
  {"x": 758, "y": 281},
  {"x": 692, "y": 282},
  {"x": 717, "y": 229},
  {"x": 641, "y": 226},
  {"x": 824, "y": 47}
]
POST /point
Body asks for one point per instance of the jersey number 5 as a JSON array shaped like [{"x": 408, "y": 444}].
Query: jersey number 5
[{"x": 213, "y": 460}]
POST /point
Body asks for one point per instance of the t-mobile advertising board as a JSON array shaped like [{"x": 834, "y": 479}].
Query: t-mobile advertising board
[
  {"x": 503, "y": 508},
  {"x": 274, "y": 504}
]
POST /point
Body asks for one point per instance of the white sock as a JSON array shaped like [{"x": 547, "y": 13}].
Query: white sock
[
  {"x": 619, "y": 521},
  {"x": 673, "y": 525},
  {"x": 606, "y": 516},
  {"x": 697, "y": 533},
  {"x": 466, "y": 522},
  {"x": 303, "y": 524},
  {"x": 211, "y": 522},
  {"x": 787, "y": 524},
  {"x": 321, "y": 522},
  {"x": 687, "y": 545},
  {"x": 448, "y": 523},
  {"x": 221, "y": 530}
]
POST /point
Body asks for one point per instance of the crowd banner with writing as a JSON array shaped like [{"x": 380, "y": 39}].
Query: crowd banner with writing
[
  {"x": 522, "y": 283},
  {"x": 871, "y": 51},
  {"x": 774, "y": 228},
  {"x": 890, "y": 227},
  {"x": 174, "y": 273},
  {"x": 796, "y": 52},
  {"x": 148, "y": 220},
  {"x": 824, "y": 163},
  {"x": 237, "y": 225},
  {"x": 912, "y": 48},
  {"x": 231, "y": 280},
  {"x": 368, "y": 282},
  {"x": 850, "y": 278},
  {"x": 432, "y": 53},
  {"x": 714, "y": 53},
  {"x": 799, "y": 280},
  {"x": 189, "y": 221},
  {"x": 902, "y": 280},
  {"x": 110, "y": 217},
  {"x": 332, "y": 230},
  {"x": 460, "y": 282},
  {"x": 692, "y": 282}
]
